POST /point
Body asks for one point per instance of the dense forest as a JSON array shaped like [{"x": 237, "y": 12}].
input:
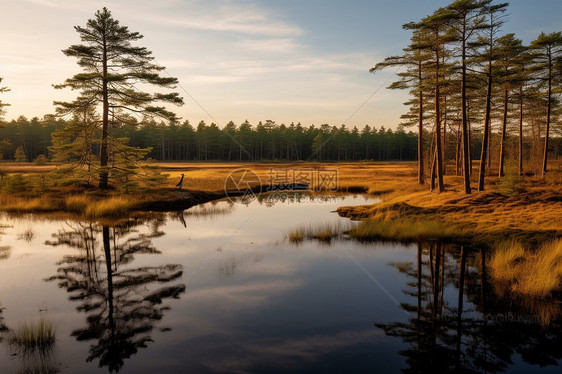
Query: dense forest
[
  {"x": 27, "y": 139},
  {"x": 208, "y": 142}
]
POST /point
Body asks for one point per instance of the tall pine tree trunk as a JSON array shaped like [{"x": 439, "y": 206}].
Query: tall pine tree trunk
[
  {"x": 420, "y": 127},
  {"x": 465, "y": 145},
  {"x": 504, "y": 128},
  {"x": 548, "y": 110},
  {"x": 486, "y": 135},
  {"x": 440, "y": 184},
  {"x": 104, "y": 176},
  {"x": 520, "y": 130}
]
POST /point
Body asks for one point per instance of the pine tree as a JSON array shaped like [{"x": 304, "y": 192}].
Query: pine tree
[
  {"x": 112, "y": 68},
  {"x": 548, "y": 62},
  {"x": 495, "y": 19},
  {"x": 20, "y": 156},
  {"x": 508, "y": 63},
  {"x": 435, "y": 33},
  {"x": 466, "y": 23}
]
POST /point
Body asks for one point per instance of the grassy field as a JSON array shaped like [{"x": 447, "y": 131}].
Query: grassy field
[{"x": 527, "y": 208}]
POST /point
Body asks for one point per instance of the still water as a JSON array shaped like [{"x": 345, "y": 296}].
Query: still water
[{"x": 217, "y": 289}]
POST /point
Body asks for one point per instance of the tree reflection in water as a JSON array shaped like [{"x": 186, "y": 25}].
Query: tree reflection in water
[
  {"x": 460, "y": 323},
  {"x": 122, "y": 302}
]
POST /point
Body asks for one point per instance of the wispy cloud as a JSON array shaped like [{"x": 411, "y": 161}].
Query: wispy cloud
[
  {"x": 228, "y": 17},
  {"x": 278, "y": 45}
]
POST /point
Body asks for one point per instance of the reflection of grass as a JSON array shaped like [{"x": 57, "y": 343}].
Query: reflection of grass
[
  {"x": 403, "y": 229},
  {"x": 207, "y": 210},
  {"x": 528, "y": 273},
  {"x": 31, "y": 336},
  {"x": 324, "y": 232}
]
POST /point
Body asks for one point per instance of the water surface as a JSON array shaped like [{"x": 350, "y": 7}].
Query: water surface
[{"x": 216, "y": 288}]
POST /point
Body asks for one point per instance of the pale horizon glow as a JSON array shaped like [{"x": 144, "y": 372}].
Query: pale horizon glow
[{"x": 288, "y": 61}]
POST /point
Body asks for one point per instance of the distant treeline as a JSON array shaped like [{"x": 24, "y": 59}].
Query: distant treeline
[{"x": 264, "y": 141}]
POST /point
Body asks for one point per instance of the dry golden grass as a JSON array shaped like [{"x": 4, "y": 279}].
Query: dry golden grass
[
  {"x": 110, "y": 207},
  {"x": 77, "y": 203},
  {"x": 527, "y": 209},
  {"x": 528, "y": 273},
  {"x": 15, "y": 204},
  {"x": 25, "y": 167},
  {"x": 533, "y": 213}
]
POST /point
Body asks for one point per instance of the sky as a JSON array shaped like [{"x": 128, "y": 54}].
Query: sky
[{"x": 289, "y": 61}]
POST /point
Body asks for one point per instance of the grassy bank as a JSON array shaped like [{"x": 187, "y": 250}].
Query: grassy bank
[
  {"x": 95, "y": 205},
  {"x": 528, "y": 210}
]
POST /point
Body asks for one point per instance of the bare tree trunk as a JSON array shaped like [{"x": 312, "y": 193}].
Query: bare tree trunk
[
  {"x": 465, "y": 126},
  {"x": 104, "y": 176},
  {"x": 458, "y": 166},
  {"x": 504, "y": 128},
  {"x": 485, "y": 139},
  {"x": 521, "y": 130},
  {"x": 440, "y": 184},
  {"x": 548, "y": 110},
  {"x": 420, "y": 127}
]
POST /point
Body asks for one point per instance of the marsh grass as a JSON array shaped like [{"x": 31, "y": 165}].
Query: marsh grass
[
  {"x": 535, "y": 274},
  {"x": 34, "y": 336},
  {"x": 17, "y": 204},
  {"x": 77, "y": 203},
  {"x": 114, "y": 206}
]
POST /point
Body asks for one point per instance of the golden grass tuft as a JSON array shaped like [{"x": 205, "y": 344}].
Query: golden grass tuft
[
  {"x": 39, "y": 335},
  {"x": 16, "y": 204},
  {"x": 77, "y": 203},
  {"x": 535, "y": 274},
  {"x": 503, "y": 262},
  {"x": 110, "y": 207}
]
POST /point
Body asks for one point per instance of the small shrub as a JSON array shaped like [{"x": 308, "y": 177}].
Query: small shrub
[
  {"x": 19, "y": 155},
  {"x": 510, "y": 185},
  {"x": 41, "y": 160},
  {"x": 15, "y": 183}
]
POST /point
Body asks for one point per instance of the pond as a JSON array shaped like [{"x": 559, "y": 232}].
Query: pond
[{"x": 217, "y": 288}]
